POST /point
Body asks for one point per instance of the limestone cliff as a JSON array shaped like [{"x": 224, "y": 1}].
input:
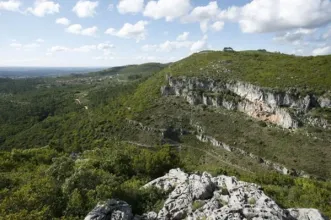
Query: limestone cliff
[
  {"x": 287, "y": 109},
  {"x": 205, "y": 197}
]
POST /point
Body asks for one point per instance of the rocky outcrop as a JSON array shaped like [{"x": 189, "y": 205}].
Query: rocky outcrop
[
  {"x": 111, "y": 210},
  {"x": 201, "y": 136},
  {"x": 205, "y": 197},
  {"x": 286, "y": 109}
]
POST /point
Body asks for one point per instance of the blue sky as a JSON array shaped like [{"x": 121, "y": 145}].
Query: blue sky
[{"x": 112, "y": 32}]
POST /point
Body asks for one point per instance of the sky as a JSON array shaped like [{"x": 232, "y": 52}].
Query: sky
[{"x": 104, "y": 33}]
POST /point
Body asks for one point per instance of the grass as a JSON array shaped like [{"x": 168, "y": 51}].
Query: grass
[
  {"x": 278, "y": 71},
  {"x": 197, "y": 205},
  {"x": 252, "y": 201},
  {"x": 132, "y": 71}
]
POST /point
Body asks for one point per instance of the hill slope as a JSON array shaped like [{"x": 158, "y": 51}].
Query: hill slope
[{"x": 82, "y": 139}]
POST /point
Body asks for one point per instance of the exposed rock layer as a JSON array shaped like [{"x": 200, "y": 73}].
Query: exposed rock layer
[
  {"x": 205, "y": 197},
  {"x": 286, "y": 109}
]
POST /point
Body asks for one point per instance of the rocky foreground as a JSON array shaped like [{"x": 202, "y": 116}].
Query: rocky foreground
[{"x": 205, "y": 197}]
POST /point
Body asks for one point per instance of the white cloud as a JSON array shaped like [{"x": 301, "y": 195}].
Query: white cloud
[
  {"x": 183, "y": 36},
  {"x": 26, "y": 47},
  {"x": 58, "y": 49},
  {"x": 169, "y": 46},
  {"x": 75, "y": 29},
  {"x": 85, "y": 9},
  {"x": 295, "y": 37},
  {"x": 130, "y": 6},
  {"x": 104, "y": 47},
  {"x": 44, "y": 7},
  {"x": 90, "y": 31},
  {"x": 322, "y": 51},
  {"x": 11, "y": 5},
  {"x": 199, "y": 45},
  {"x": 217, "y": 26},
  {"x": 31, "y": 46},
  {"x": 167, "y": 9},
  {"x": 16, "y": 45},
  {"x": 63, "y": 21},
  {"x": 39, "y": 40},
  {"x": 203, "y": 15},
  {"x": 136, "y": 31},
  {"x": 85, "y": 48},
  {"x": 271, "y": 16},
  {"x": 104, "y": 58},
  {"x": 174, "y": 45},
  {"x": 78, "y": 29}
]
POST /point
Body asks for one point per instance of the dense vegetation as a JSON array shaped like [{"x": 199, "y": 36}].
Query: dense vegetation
[
  {"x": 264, "y": 69},
  {"x": 66, "y": 144}
]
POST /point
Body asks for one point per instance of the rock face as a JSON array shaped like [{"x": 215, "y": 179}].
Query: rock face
[
  {"x": 285, "y": 109},
  {"x": 201, "y": 136},
  {"x": 111, "y": 210},
  {"x": 205, "y": 197}
]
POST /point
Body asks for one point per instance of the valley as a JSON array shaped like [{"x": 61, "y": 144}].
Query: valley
[{"x": 69, "y": 142}]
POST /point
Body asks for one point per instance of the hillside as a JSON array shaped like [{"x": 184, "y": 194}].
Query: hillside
[{"x": 68, "y": 143}]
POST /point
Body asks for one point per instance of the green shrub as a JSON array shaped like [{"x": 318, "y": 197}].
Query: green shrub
[{"x": 197, "y": 204}]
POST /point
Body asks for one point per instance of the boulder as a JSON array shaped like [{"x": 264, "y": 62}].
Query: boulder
[{"x": 111, "y": 210}]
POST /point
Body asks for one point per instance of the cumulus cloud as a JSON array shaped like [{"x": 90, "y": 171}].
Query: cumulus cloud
[
  {"x": 44, "y": 7},
  {"x": 63, "y": 21},
  {"x": 217, "y": 26},
  {"x": 11, "y": 5},
  {"x": 167, "y": 9},
  {"x": 322, "y": 51},
  {"x": 183, "y": 36},
  {"x": 89, "y": 31},
  {"x": 199, "y": 45},
  {"x": 135, "y": 31},
  {"x": 78, "y": 29},
  {"x": 295, "y": 37},
  {"x": 85, "y": 9},
  {"x": 271, "y": 16},
  {"x": 204, "y": 15},
  {"x": 130, "y": 6}
]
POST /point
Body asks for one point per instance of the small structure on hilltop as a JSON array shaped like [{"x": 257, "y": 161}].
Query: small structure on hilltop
[{"x": 228, "y": 49}]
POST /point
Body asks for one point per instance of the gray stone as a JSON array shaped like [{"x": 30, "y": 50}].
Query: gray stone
[
  {"x": 111, "y": 210},
  {"x": 205, "y": 197}
]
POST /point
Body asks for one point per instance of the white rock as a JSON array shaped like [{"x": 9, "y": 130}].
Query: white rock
[
  {"x": 111, "y": 210},
  {"x": 205, "y": 197},
  {"x": 306, "y": 214}
]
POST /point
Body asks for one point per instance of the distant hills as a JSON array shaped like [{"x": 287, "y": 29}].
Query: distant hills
[{"x": 25, "y": 72}]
